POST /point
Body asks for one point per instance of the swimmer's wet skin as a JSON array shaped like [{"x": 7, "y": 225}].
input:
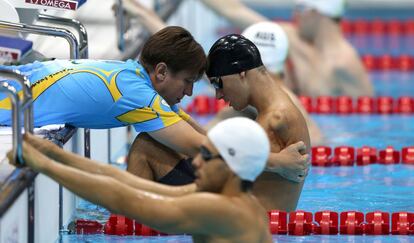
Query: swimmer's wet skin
[
  {"x": 231, "y": 157},
  {"x": 236, "y": 70}
]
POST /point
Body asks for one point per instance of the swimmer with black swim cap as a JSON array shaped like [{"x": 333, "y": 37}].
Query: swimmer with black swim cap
[
  {"x": 232, "y": 54},
  {"x": 236, "y": 71},
  {"x": 273, "y": 45}
]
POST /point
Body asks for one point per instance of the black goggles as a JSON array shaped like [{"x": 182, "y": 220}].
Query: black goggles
[
  {"x": 217, "y": 82},
  {"x": 207, "y": 155}
]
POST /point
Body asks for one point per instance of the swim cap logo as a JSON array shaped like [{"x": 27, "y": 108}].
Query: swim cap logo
[
  {"x": 231, "y": 151},
  {"x": 265, "y": 39},
  {"x": 265, "y": 36}
]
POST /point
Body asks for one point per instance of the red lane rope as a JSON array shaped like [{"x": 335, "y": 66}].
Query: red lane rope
[
  {"x": 402, "y": 63},
  {"x": 342, "y": 105},
  {"x": 349, "y": 156},
  {"x": 346, "y": 105},
  {"x": 300, "y": 223}
]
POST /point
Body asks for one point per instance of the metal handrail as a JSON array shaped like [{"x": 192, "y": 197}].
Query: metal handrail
[
  {"x": 132, "y": 51},
  {"x": 15, "y": 75},
  {"x": 76, "y": 24},
  {"x": 120, "y": 24},
  {"x": 17, "y": 133},
  {"x": 57, "y": 32},
  {"x": 48, "y": 31}
]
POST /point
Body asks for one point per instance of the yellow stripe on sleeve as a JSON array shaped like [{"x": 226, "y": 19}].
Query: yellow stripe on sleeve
[
  {"x": 168, "y": 117},
  {"x": 138, "y": 115}
]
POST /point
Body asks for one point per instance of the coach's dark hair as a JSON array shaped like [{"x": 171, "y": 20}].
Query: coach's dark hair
[{"x": 176, "y": 47}]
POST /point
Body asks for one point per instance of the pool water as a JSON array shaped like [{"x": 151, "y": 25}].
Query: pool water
[{"x": 387, "y": 188}]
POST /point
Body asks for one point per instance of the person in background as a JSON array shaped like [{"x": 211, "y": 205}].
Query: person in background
[{"x": 320, "y": 60}]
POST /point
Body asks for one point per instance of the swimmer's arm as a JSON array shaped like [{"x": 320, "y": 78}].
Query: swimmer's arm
[
  {"x": 147, "y": 17},
  {"x": 87, "y": 165},
  {"x": 180, "y": 137},
  {"x": 191, "y": 214},
  {"x": 200, "y": 213},
  {"x": 236, "y": 12},
  {"x": 196, "y": 126},
  {"x": 314, "y": 131},
  {"x": 192, "y": 122},
  {"x": 278, "y": 122}
]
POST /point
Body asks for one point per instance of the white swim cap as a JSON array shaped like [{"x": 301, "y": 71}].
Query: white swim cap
[
  {"x": 243, "y": 144},
  {"x": 330, "y": 8},
  {"x": 272, "y": 42}
]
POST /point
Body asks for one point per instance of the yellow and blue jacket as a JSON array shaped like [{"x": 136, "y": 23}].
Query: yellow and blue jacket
[{"x": 93, "y": 94}]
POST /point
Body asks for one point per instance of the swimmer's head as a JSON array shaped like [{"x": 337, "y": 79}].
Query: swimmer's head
[
  {"x": 272, "y": 42},
  {"x": 229, "y": 59},
  {"x": 308, "y": 14},
  {"x": 174, "y": 61},
  {"x": 236, "y": 146},
  {"x": 330, "y": 8},
  {"x": 232, "y": 54}
]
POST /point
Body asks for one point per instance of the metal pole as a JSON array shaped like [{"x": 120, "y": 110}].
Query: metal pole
[
  {"x": 74, "y": 54},
  {"x": 45, "y": 30},
  {"x": 120, "y": 24},
  {"x": 80, "y": 28},
  {"x": 15, "y": 75},
  {"x": 17, "y": 133}
]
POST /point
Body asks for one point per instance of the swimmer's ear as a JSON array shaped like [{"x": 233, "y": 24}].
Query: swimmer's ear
[{"x": 160, "y": 71}]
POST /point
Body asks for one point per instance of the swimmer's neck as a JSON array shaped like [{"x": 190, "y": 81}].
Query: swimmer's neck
[
  {"x": 328, "y": 34},
  {"x": 232, "y": 187},
  {"x": 265, "y": 90}
]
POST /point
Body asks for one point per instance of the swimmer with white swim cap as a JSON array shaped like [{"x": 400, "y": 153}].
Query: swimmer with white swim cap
[
  {"x": 272, "y": 42},
  {"x": 231, "y": 157}
]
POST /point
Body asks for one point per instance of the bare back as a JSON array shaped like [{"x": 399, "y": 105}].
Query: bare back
[
  {"x": 253, "y": 222},
  {"x": 273, "y": 190},
  {"x": 335, "y": 71}
]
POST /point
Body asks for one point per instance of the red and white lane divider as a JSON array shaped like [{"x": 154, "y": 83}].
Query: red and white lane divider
[
  {"x": 346, "y": 105},
  {"x": 300, "y": 223},
  {"x": 392, "y": 27},
  {"x": 346, "y": 156},
  {"x": 350, "y": 223},
  {"x": 342, "y": 105},
  {"x": 403, "y": 63}
]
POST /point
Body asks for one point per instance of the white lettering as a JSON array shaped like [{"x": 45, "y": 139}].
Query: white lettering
[{"x": 54, "y": 3}]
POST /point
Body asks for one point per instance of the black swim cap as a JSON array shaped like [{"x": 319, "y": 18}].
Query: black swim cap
[{"x": 232, "y": 54}]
